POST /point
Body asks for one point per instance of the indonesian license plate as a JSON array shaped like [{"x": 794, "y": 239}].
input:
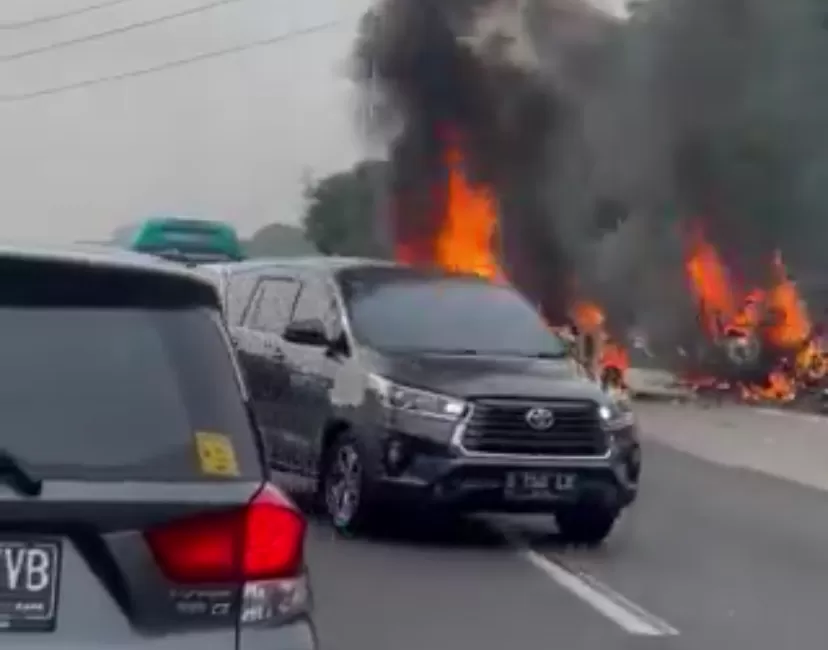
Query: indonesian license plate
[
  {"x": 28, "y": 585},
  {"x": 538, "y": 485}
]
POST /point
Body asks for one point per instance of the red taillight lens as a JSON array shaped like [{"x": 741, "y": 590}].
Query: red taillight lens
[{"x": 262, "y": 541}]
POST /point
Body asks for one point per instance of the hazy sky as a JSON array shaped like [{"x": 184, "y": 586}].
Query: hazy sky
[{"x": 228, "y": 138}]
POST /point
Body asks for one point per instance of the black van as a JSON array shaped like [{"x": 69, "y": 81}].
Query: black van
[{"x": 388, "y": 385}]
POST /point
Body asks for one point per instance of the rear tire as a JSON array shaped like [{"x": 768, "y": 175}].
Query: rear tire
[
  {"x": 345, "y": 492},
  {"x": 585, "y": 525}
]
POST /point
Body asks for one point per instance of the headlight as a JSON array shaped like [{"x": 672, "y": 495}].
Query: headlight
[
  {"x": 414, "y": 400},
  {"x": 616, "y": 415}
]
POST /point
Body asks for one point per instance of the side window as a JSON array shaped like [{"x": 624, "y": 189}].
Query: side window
[
  {"x": 332, "y": 316},
  {"x": 316, "y": 301},
  {"x": 272, "y": 304},
  {"x": 311, "y": 302},
  {"x": 237, "y": 296}
]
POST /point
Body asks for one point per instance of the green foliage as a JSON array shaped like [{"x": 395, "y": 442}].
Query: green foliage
[
  {"x": 342, "y": 211},
  {"x": 279, "y": 240}
]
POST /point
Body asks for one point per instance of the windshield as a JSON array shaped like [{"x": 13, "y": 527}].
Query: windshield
[
  {"x": 443, "y": 315},
  {"x": 98, "y": 392}
]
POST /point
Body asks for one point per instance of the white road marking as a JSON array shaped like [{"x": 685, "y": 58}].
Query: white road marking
[
  {"x": 808, "y": 417},
  {"x": 614, "y": 606}
]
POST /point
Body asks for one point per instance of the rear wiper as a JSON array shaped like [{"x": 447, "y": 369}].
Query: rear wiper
[{"x": 18, "y": 475}]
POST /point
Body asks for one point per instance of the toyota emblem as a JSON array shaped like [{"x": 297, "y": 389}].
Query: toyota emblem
[{"x": 540, "y": 419}]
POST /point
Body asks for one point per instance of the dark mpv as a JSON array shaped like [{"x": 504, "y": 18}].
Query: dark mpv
[{"x": 387, "y": 385}]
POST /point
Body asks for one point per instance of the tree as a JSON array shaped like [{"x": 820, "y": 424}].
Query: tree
[
  {"x": 279, "y": 240},
  {"x": 342, "y": 211}
]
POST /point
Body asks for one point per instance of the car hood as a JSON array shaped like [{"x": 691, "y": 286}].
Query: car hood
[{"x": 493, "y": 376}]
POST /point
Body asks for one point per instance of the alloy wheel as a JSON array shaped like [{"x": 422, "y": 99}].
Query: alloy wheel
[{"x": 344, "y": 489}]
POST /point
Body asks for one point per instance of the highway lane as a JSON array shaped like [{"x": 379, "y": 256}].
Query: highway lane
[{"x": 724, "y": 557}]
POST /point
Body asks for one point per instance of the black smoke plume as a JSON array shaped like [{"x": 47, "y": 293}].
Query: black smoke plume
[
  {"x": 713, "y": 112},
  {"x": 435, "y": 80},
  {"x": 610, "y": 138}
]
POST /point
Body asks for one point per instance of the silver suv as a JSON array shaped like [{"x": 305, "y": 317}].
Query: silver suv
[{"x": 135, "y": 506}]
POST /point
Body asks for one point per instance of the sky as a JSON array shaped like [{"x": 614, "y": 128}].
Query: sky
[{"x": 230, "y": 138}]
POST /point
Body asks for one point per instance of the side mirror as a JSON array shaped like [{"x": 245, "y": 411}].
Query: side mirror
[
  {"x": 307, "y": 332},
  {"x": 339, "y": 347}
]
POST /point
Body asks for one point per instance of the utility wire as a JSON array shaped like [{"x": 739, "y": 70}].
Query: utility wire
[
  {"x": 177, "y": 63},
  {"x": 118, "y": 30},
  {"x": 69, "y": 13}
]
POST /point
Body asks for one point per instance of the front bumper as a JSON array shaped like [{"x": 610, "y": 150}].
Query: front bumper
[{"x": 479, "y": 484}]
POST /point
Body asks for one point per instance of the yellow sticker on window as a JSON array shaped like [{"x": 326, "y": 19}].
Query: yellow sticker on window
[{"x": 216, "y": 455}]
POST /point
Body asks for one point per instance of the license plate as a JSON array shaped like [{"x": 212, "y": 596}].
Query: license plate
[
  {"x": 538, "y": 485},
  {"x": 28, "y": 585}
]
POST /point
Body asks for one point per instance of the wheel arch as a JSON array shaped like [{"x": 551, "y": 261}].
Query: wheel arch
[{"x": 332, "y": 430}]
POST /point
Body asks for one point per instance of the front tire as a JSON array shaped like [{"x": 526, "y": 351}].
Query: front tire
[
  {"x": 345, "y": 492},
  {"x": 585, "y": 525}
]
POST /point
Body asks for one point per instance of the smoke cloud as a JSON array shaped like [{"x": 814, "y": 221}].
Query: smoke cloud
[
  {"x": 602, "y": 137},
  {"x": 714, "y": 111},
  {"x": 464, "y": 70}
]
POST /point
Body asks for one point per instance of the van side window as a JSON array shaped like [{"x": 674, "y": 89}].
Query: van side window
[
  {"x": 333, "y": 317},
  {"x": 272, "y": 304},
  {"x": 317, "y": 301},
  {"x": 239, "y": 290},
  {"x": 311, "y": 303}
]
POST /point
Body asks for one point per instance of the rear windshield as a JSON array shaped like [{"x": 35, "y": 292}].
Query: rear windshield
[
  {"x": 396, "y": 310},
  {"x": 120, "y": 390}
]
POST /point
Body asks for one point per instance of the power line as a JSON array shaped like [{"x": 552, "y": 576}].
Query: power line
[
  {"x": 118, "y": 30},
  {"x": 51, "y": 18},
  {"x": 177, "y": 63}
]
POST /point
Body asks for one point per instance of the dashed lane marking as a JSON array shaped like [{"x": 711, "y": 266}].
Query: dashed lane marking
[
  {"x": 779, "y": 413},
  {"x": 606, "y": 601}
]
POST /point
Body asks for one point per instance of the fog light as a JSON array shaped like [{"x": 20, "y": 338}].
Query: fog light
[{"x": 395, "y": 455}]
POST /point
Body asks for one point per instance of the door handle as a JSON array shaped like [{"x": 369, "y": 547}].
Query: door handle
[{"x": 275, "y": 353}]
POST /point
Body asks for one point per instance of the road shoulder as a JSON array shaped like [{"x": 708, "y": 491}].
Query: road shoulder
[{"x": 788, "y": 446}]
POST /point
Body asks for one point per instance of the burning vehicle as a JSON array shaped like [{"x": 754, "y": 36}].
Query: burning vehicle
[
  {"x": 466, "y": 241},
  {"x": 761, "y": 343}
]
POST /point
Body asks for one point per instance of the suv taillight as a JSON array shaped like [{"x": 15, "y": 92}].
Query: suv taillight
[{"x": 263, "y": 540}]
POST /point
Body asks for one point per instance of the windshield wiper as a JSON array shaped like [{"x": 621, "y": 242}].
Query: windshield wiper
[
  {"x": 548, "y": 355},
  {"x": 458, "y": 352},
  {"x": 533, "y": 355},
  {"x": 18, "y": 474}
]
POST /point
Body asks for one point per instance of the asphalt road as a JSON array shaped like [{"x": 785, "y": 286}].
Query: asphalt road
[{"x": 710, "y": 557}]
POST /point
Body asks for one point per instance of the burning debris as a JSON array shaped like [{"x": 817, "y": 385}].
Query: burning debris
[{"x": 765, "y": 346}]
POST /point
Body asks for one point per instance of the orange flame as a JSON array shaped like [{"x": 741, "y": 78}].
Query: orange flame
[
  {"x": 790, "y": 326},
  {"x": 777, "y": 317},
  {"x": 467, "y": 239},
  {"x": 588, "y": 317},
  {"x": 467, "y": 242},
  {"x": 615, "y": 356},
  {"x": 711, "y": 286}
]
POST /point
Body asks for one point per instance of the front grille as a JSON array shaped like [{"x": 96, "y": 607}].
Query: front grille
[{"x": 499, "y": 426}]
